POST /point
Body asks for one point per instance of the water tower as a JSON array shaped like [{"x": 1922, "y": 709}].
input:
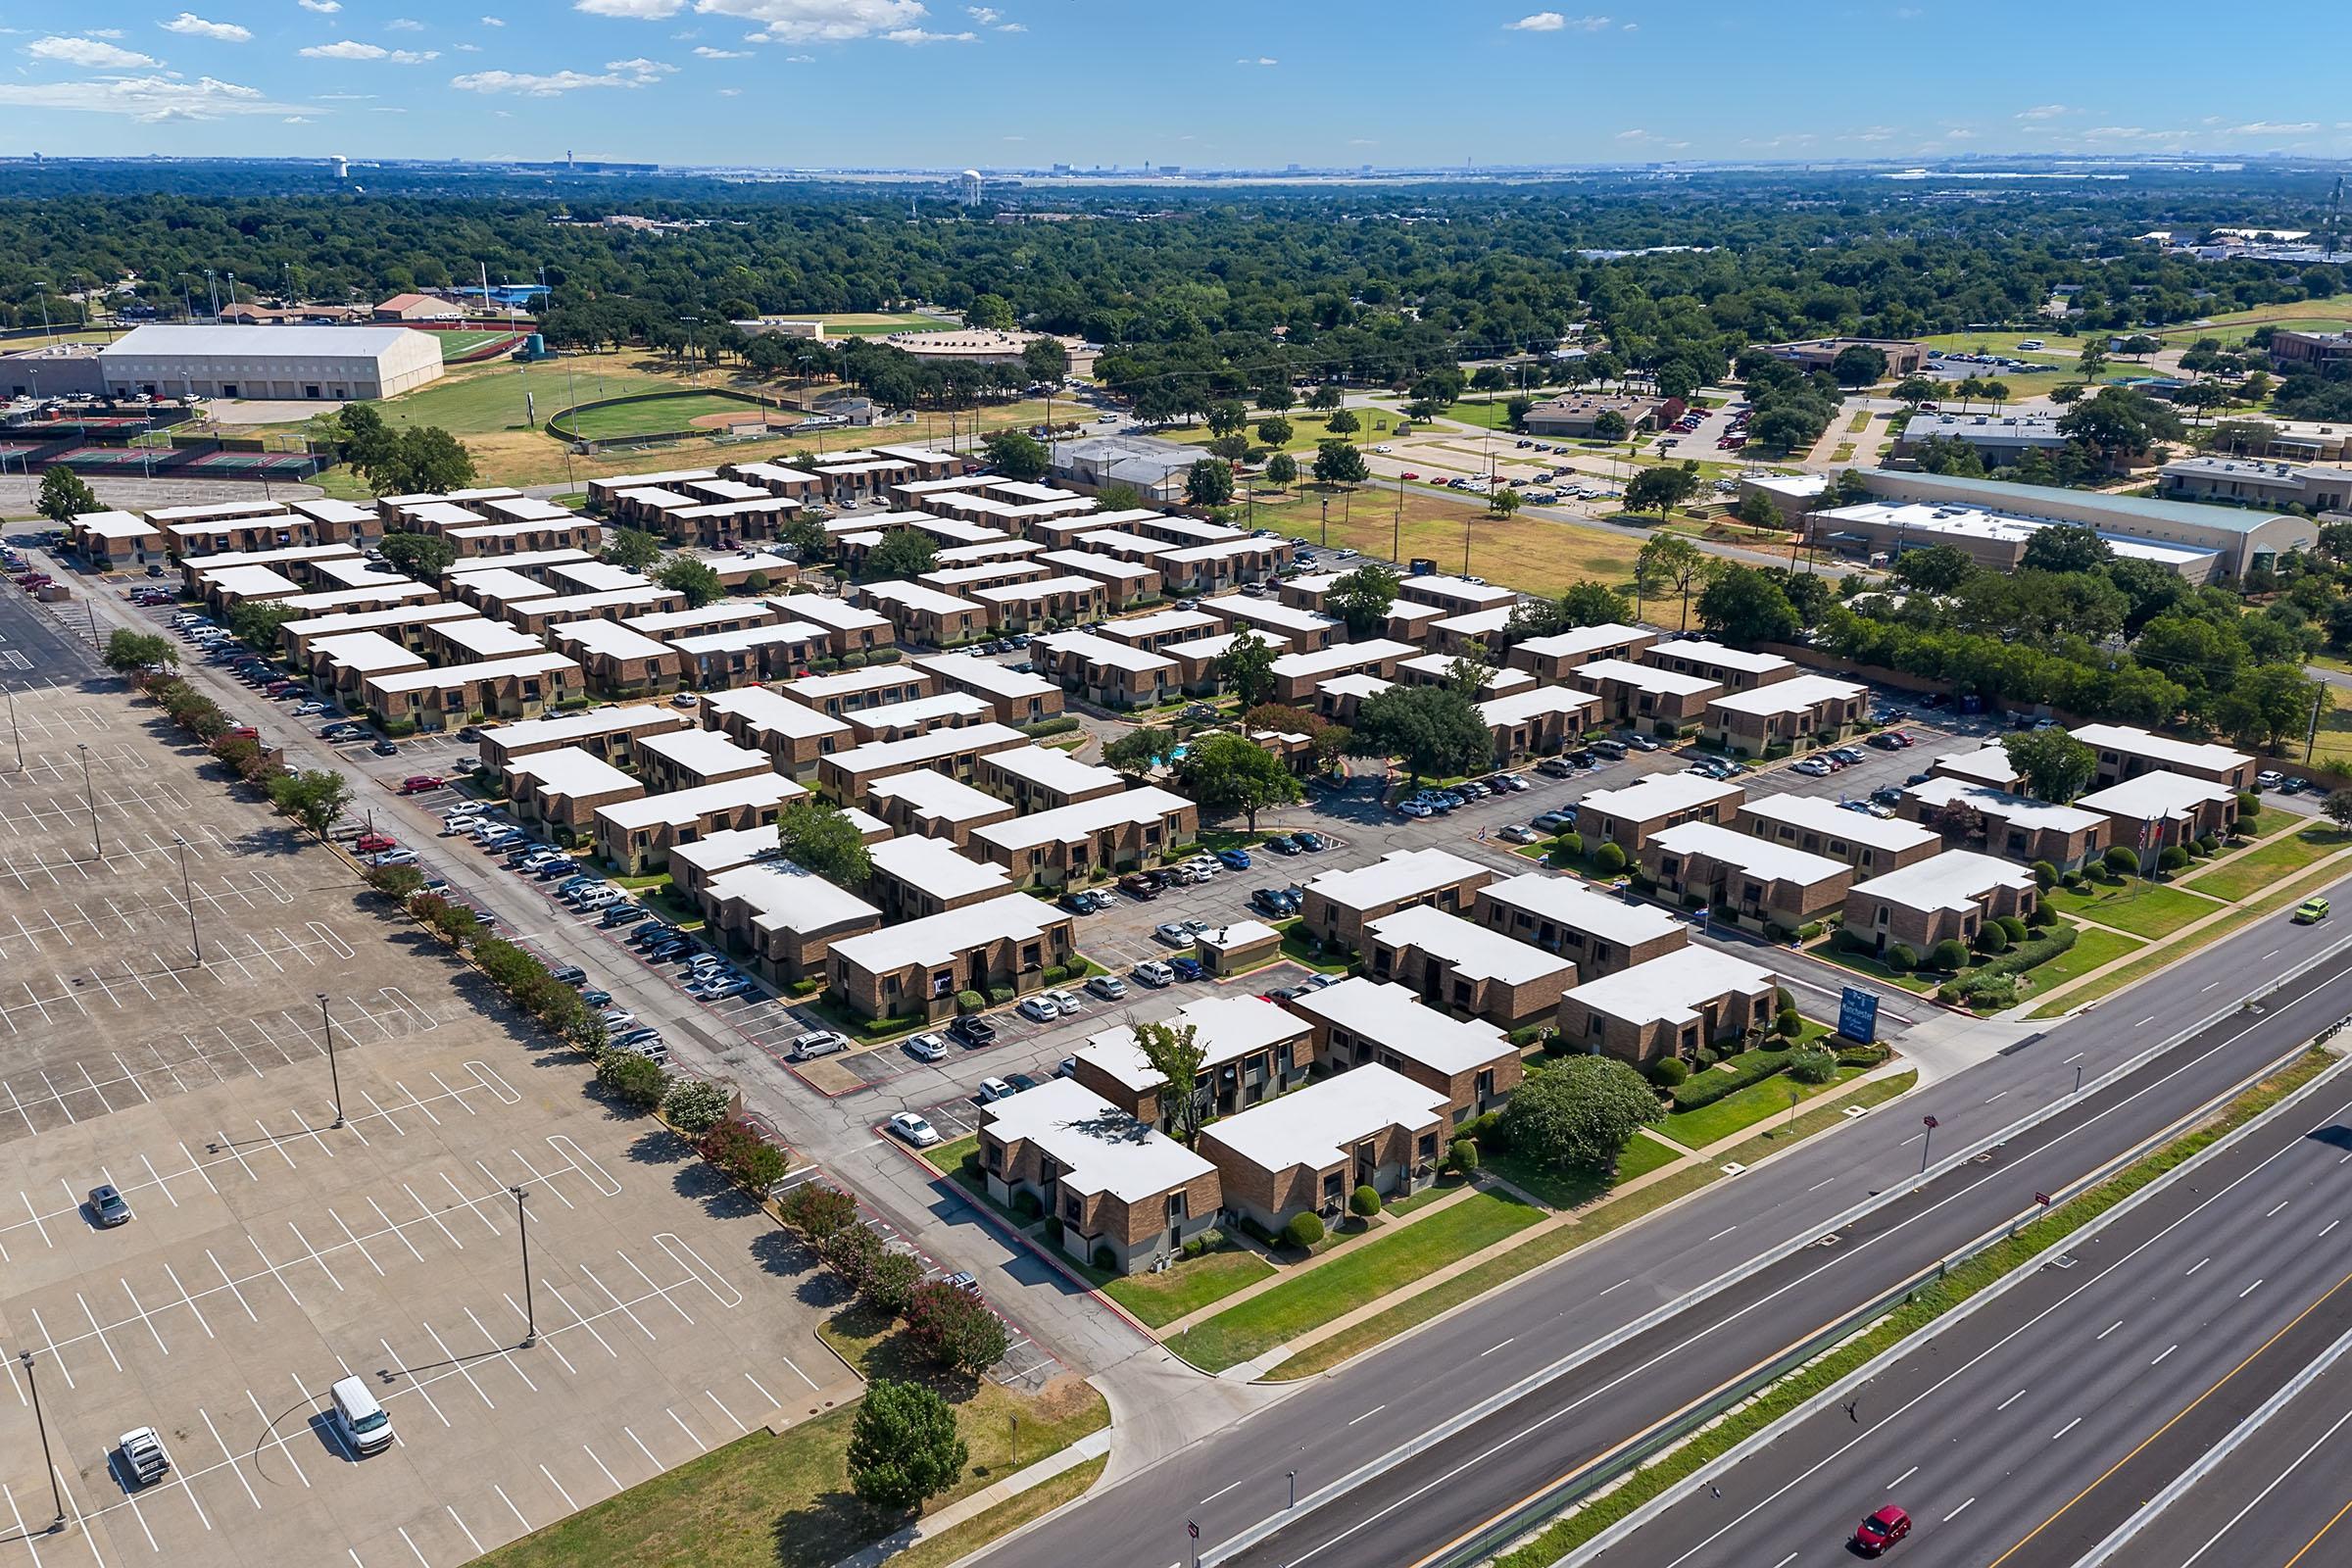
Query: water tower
[{"x": 968, "y": 187}]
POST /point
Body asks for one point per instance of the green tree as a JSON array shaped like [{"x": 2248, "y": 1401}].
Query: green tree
[
  {"x": 1248, "y": 667},
  {"x": 1343, "y": 422},
  {"x": 1209, "y": 483},
  {"x": 1936, "y": 569},
  {"x": 2066, "y": 547},
  {"x": 902, "y": 553},
  {"x": 1016, "y": 453},
  {"x": 1339, "y": 462},
  {"x": 128, "y": 650},
  {"x": 2337, "y": 807},
  {"x": 697, "y": 579},
  {"x": 1913, "y": 390},
  {"x": 1326, "y": 397},
  {"x": 2055, "y": 766},
  {"x": 1434, "y": 731},
  {"x": 890, "y": 1284},
  {"x": 1234, "y": 448},
  {"x": 1756, "y": 510},
  {"x": 1609, "y": 425},
  {"x": 422, "y": 460},
  {"x": 256, "y": 622},
  {"x": 992, "y": 312},
  {"x": 694, "y": 1106},
  {"x": 1282, "y": 470},
  {"x": 632, "y": 1079},
  {"x": 633, "y": 547},
  {"x": 1274, "y": 431},
  {"x": 1668, "y": 563},
  {"x": 1659, "y": 490},
  {"x": 1745, "y": 607},
  {"x": 1140, "y": 750},
  {"x": 1045, "y": 360},
  {"x": 313, "y": 797},
  {"x": 807, "y": 539},
  {"x": 818, "y": 836},
  {"x": 1577, "y": 1115},
  {"x": 426, "y": 556},
  {"x": 1227, "y": 415},
  {"x": 1593, "y": 604},
  {"x": 1858, "y": 365},
  {"x": 1276, "y": 397},
  {"x": 1502, "y": 500},
  {"x": 65, "y": 496},
  {"x": 955, "y": 1329},
  {"x": 904, "y": 1448},
  {"x": 1175, "y": 1051},
  {"x": 1361, "y": 597},
  {"x": 1224, "y": 773}
]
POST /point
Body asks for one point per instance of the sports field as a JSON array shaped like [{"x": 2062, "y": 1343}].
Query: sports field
[
  {"x": 666, "y": 415},
  {"x": 875, "y": 323}
]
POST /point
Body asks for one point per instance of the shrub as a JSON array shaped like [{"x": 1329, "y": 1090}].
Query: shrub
[
  {"x": 955, "y": 1329},
  {"x": 1052, "y": 974},
  {"x": 1870, "y": 1056},
  {"x": 1790, "y": 1023},
  {"x": 1990, "y": 938},
  {"x": 1902, "y": 960},
  {"x": 2172, "y": 858},
  {"x": 969, "y": 1001},
  {"x": 1808, "y": 931},
  {"x": 1461, "y": 1156},
  {"x": 2249, "y": 805},
  {"x": 1105, "y": 1258},
  {"x": 2041, "y": 917},
  {"x": 1948, "y": 956},
  {"x": 1364, "y": 1201},
  {"x": 1706, "y": 1056},
  {"x": 2208, "y": 845},
  {"x": 852, "y": 1252},
  {"x": 1571, "y": 843},
  {"x": 1608, "y": 859},
  {"x": 889, "y": 1282},
  {"x": 817, "y": 1211},
  {"x": 748, "y": 1159},
  {"x": 998, "y": 996},
  {"x": 1303, "y": 1231},
  {"x": 1668, "y": 1072},
  {"x": 2045, "y": 874},
  {"x": 694, "y": 1107},
  {"x": 633, "y": 1080},
  {"x": 1813, "y": 1065},
  {"x": 2012, "y": 927},
  {"x": 2121, "y": 860},
  {"x": 1486, "y": 1130},
  {"x": 1578, "y": 1114},
  {"x": 1746, "y": 1067}
]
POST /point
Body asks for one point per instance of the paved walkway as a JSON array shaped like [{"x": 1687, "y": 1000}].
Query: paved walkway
[{"x": 1093, "y": 1445}]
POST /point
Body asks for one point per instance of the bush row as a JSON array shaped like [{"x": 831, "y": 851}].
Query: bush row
[
  {"x": 951, "y": 1325},
  {"x": 1748, "y": 1067}
]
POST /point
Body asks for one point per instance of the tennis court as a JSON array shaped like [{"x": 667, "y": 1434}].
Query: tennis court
[{"x": 251, "y": 461}]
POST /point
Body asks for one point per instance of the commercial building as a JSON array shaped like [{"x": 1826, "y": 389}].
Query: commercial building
[
  {"x": 1669, "y": 1007},
  {"x": 1152, "y": 468},
  {"x": 1308, "y": 1150},
  {"x": 2253, "y": 482},
  {"x": 917, "y": 969},
  {"x": 1903, "y": 358},
  {"x": 1338, "y": 904},
  {"x": 1820, "y": 827},
  {"x": 1630, "y": 817},
  {"x": 1450, "y": 962},
  {"x": 1746, "y": 880},
  {"x": 1250, "y": 1050},
  {"x": 332, "y": 364},
  {"x": 2293, "y": 350},
  {"x": 1999, "y": 440},
  {"x": 1948, "y": 898},
  {"x": 1578, "y": 415},
  {"x": 1363, "y": 1023},
  {"x": 2124, "y": 751},
  {"x": 1751, "y": 723},
  {"x": 1595, "y": 932},
  {"x": 1127, "y": 1195}
]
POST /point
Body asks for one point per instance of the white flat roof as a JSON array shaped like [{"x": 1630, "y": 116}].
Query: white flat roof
[
  {"x": 826, "y": 610},
  {"x": 1989, "y": 764},
  {"x": 765, "y": 709},
  {"x": 451, "y": 676},
  {"x": 113, "y": 525},
  {"x": 364, "y": 650},
  {"x": 1095, "y": 561},
  {"x": 1224, "y": 548},
  {"x": 1757, "y": 856},
  {"x": 1068, "y": 583},
  {"x": 1459, "y": 590},
  {"x": 2163, "y": 747},
  {"x": 598, "y": 576},
  {"x": 1270, "y": 613},
  {"x": 1826, "y": 816},
  {"x": 1316, "y": 1125},
  {"x": 394, "y": 589},
  {"x": 1217, "y": 647},
  {"x": 1398, "y": 874},
  {"x": 664, "y": 624},
  {"x": 501, "y": 583},
  {"x": 1356, "y": 683},
  {"x": 1226, "y": 1029},
  {"x": 917, "y": 750},
  {"x": 936, "y": 796},
  {"x": 789, "y": 896},
  {"x": 1340, "y": 657},
  {"x": 914, "y": 596},
  {"x": 874, "y": 677},
  {"x": 1515, "y": 706},
  {"x": 1712, "y": 653},
  {"x": 569, "y": 771},
  {"x": 1053, "y": 770},
  {"x": 609, "y": 638},
  {"x": 485, "y": 638},
  {"x": 727, "y": 848},
  {"x": 728, "y": 642},
  {"x": 1475, "y": 952},
  {"x": 1093, "y": 649},
  {"x": 2022, "y": 809},
  {"x": 916, "y": 709},
  {"x": 1952, "y": 880},
  {"x": 596, "y": 722},
  {"x": 248, "y": 581},
  {"x": 1477, "y": 623},
  {"x": 686, "y": 805},
  {"x": 1391, "y": 1016},
  {"x": 1646, "y": 678},
  {"x": 1959, "y": 520},
  {"x": 939, "y": 939},
  {"x": 984, "y": 674},
  {"x": 2162, "y": 792},
  {"x": 1791, "y": 696},
  {"x": 1239, "y": 934},
  {"x": 701, "y": 751},
  {"x": 1566, "y": 901},
  {"x": 935, "y": 866},
  {"x": 1165, "y": 623},
  {"x": 369, "y": 619},
  {"x": 1584, "y": 640},
  {"x": 1146, "y": 804},
  {"x": 1099, "y": 1147},
  {"x": 1659, "y": 794},
  {"x": 572, "y": 605},
  {"x": 1673, "y": 988}
]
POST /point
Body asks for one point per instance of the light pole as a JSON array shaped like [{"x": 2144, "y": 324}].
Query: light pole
[
  {"x": 2078, "y": 1077},
  {"x": 89, "y": 793},
  {"x": 14, "y": 729},
  {"x": 530, "y": 1316},
  {"x": 334, "y": 1077},
  {"x": 1927, "y": 1142},
  {"x": 189, "y": 898},
  {"x": 56, "y": 1495}
]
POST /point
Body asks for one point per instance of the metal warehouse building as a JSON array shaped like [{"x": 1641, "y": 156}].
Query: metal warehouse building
[{"x": 330, "y": 364}]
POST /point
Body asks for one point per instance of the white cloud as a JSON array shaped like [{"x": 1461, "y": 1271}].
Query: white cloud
[
  {"x": 638, "y": 10},
  {"x": 730, "y": 92},
  {"x": 1631, "y": 135},
  {"x": 349, "y": 49},
  {"x": 2043, "y": 112},
  {"x": 705, "y": 52},
  {"x": 926, "y": 35},
  {"x": 104, "y": 33},
  {"x": 536, "y": 85},
  {"x": 1262, "y": 60},
  {"x": 325, "y": 8},
  {"x": 800, "y": 60},
  {"x": 88, "y": 53},
  {"x": 297, "y": 119},
  {"x": 190, "y": 25},
  {"x": 149, "y": 99},
  {"x": 467, "y": 48},
  {"x": 986, "y": 16},
  {"x": 494, "y": 22},
  {"x": 1554, "y": 22},
  {"x": 642, "y": 68},
  {"x": 404, "y": 25},
  {"x": 2270, "y": 127},
  {"x": 831, "y": 20}
]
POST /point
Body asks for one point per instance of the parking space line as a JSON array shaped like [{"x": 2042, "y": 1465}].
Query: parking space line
[
  {"x": 189, "y": 1302},
  {"x": 274, "y": 1272},
  {"x": 275, "y": 1144},
  {"x": 404, "y": 1535},
  {"x": 699, "y": 1444},
  {"x": 415, "y": 1382},
  {"x": 477, "y": 1545},
  {"x": 658, "y": 1465},
  {"x": 763, "y": 1394},
  {"x": 548, "y": 1340},
  {"x": 396, "y": 1231},
  {"x": 279, "y": 1438},
  {"x": 570, "y": 1507},
  {"x": 65, "y": 1490},
  {"x": 197, "y": 1168},
  {"x": 415, "y": 1102},
  {"x": 429, "y": 1214},
  {"x": 505, "y": 1353},
  {"x": 663, "y": 1291},
  {"x": 601, "y": 1465},
  {"x": 723, "y": 1410},
  {"x": 232, "y": 1286},
  {"x": 314, "y": 1257},
  {"x": 458, "y": 1363},
  {"x": 36, "y": 1221},
  {"x": 156, "y": 1181},
  {"x": 106, "y": 1458},
  {"x": 387, "y": 1116},
  {"x": 357, "y": 1245},
  {"x": 235, "y": 1468},
  {"x": 94, "y": 1328},
  {"x": 24, "y": 1533},
  {"x": 699, "y": 1269},
  {"x": 616, "y": 1302},
  {"x": 143, "y": 1317},
  {"x": 472, "y": 1207},
  {"x": 549, "y": 1286}
]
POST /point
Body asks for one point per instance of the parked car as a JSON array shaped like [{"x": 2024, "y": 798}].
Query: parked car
[
  {"x": 927, "y": 1047},
  {"x": 107, "y": 1206},
  {"x": 1139, "y": 885},
  {"x": 144, "y": 1460},
  {"x": 992, "y": 1090},
  {"x": 1172, "y": 932},
  {"x": 974, "y": 1030},
  {"x": 394, "y": 858},
  {"x": 914, "y": 1129},
  {"x": 1038, "y": 1010},
  {"x": 1312, "y": 843},
  {"x": 1064, "y": 1002},
  {"x": 1109, "y": 987},
  {"x": 1235, "y": 859},
  {"x": 1282, "y": 844},
  {"x": 1154, "y": 973},
  {"x": 817, "y": 1043},
  {"x": 1188, "y": 967},
  {"x": 384, "y": 748},
  {"x": 419, "y": 783},
  {"x": 1520, "y": 833},
  {"x": 372, "y": 844}
]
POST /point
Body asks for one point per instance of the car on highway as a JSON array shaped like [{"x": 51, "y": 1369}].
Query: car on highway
[
  {"x": 1881, "y": 1530},
  {"x": 914, "y": 1129},
  {"x": 927, "y": 1047},
  {"x": 2311, "y": 911}
]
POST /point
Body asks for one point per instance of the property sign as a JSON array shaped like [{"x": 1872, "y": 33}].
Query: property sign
[{"x": 1858, "y": 1016}]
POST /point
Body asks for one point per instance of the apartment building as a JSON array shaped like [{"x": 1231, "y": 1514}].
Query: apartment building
[
  {"x": 837, "y": 695},
  {"x": 781, "y": 918},
  {"x": 1364, "y": 1022},
  {"x": 1097, "y": 670},
  {"x": 846, "y": 777},
  {"x": 1551, "y": 658},
  {"x": 1748, "y": 881},
  {"x": 791, "y": 735},
  {"x": 898, "y": 721},
  {"x": 1297, "y": 676},
  {"x": 1127, "y": 1195},
  {"x": 1339, "y": 905},
  {"x": 1871, "y": 845},
  {"x": 616, "y": 660},
  {"x": 917, "y": 969},
  {"x": 2125, "y": 751},
  {"x": 1308, "y": 1150},
  {"x": 2150, "y": 812},
  {"x": 1013, "y": 697},
  {"x": 636, "y": 835},
  {"x": 457, "y": 694},
  {"x": 689, "y": 758},
  {"x": 611, "y": 733},
  {"x": 848, "y": 628},
  {"x": 1298, "y": 631},
  {"x": 1456, "y": 596},
  {"x": 1216, "y": 568},
  {"x": 1786, "y": 713},
  {"x": 1153, "y": 632},
  {"x": 925, "y": 614},
  {"x": 1106, "y": 833},
  {"x": 1449, "y": 961},
  {"x": 1644, "y": 697},
  {"x": 1044, "y": 602},
  {"x": 1039, "y": 778},
  {"x": 1735, "y": 669},
  {"x": 1630, "y": 817},
  {"x": 2018, "y": 827},
  {"x": 1599, "y": 934},
  {"x": 535, "y": 615},
  {"x": 1669, "y": 1007},
  {"x": 915, "y": 877},
  {"x": 340, "y": 666},
  {"x": 722, "y": 660},
  {"x": 931, "y": 805},
  {"x": 1200, "y": 663},
  {"x": 1125, "y": 583},
  {"x": 1948, "y": 897},
  {"x": 1455, "y": 635},
  {"x": 564, "y": 789},
  {"x": 404, "y": 624},
  {"x": 1540, "y": 722},
  {"x": 1250, "y": 1050}
]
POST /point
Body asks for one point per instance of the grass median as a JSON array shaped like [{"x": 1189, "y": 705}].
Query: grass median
[
  {"x": 1925, "y": 1305},
  {"x": 1358, "y": 1277}
]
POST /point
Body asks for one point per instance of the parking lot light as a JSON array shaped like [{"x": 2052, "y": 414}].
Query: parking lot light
[
  {"x": 326, "y": 1026},
  {"x": 56, "y": 1494},
  {"x": 89, "y": 793},
  {"x": 189, "y": 898},
  {"x": 522, "y": 1222},
  {"x": 14, "y": 729}
]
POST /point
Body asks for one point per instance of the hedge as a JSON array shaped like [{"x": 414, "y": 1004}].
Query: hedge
[{"x": 1748, "y": 1067}]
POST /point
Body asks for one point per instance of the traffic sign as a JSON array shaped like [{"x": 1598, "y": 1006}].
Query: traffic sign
[
  {"x": 2043, "y": 1198},
  {"x": 1193, "y": 1530},
  {"x": 1929, "y": 1122}
]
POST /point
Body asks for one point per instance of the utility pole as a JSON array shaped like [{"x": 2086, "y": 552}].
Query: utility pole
[
  {"x": 326, "y": 1026},
  {"x": 530, "y": 1316},
  {"x": 189, "y": 898},
  {"x": 56, "y": 1494}
]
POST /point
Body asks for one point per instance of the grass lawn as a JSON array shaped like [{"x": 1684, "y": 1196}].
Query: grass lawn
[
  {"x": 1742, "y": 1108},
  {"x": 1829, "y": 951},
  {"x": 668, "y": 413},
  {"x": 1300, "y": 948},
  {"x": 1188, "y": 1286},
  {"x": 1525, "y": 553},
  {"x": 766, "y": 1502},
  {"x": 454, "y": 344},
  {"x": 2329, "y": 315},
  {"x": 2145, "y": 908},
  {"x": 948, "y": 1159},
  {"x": 1643, "y": 1154},
  {"x": 1358, "y": 1276},
  {"x": 2093, "y": 949},
  {"x": 2261, "y": 867}
]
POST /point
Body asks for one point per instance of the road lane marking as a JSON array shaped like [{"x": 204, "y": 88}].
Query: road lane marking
[
  {"x": 2064, "y": 1430},
  {"x": 1368, "y": 1414},
  {"x": 2011, "y": 1400},
  {"x": 2249, "y": 1289},
  {"x": 2109, "y": 1329},
  {"x": 1899, "y": 1480},
  {"x": 1957, "y": 1512},
  {"x": 2168, "y": 1349}
]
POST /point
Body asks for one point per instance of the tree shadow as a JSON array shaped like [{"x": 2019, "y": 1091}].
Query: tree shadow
[
  {"x": 831, "y": 1528},
  {"x": 784, "y": 1254},
  {"x": 658, "y": 1146}
]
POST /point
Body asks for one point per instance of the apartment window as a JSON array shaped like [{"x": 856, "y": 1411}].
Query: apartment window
[
  {"x": 1073, "y": 1209},
  {"x": 1426, "y": 1147},
  {"x": 1484, "y": 1085}
]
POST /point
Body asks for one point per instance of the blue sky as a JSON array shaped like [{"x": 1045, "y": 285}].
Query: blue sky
[{"x": 1199, "y": 83}]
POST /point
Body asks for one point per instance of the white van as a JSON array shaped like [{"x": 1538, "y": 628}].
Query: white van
[{"x": 364, "y": 1423}]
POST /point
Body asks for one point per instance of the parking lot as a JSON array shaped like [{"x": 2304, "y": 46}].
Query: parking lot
[{"x": 272, "y": 1251}]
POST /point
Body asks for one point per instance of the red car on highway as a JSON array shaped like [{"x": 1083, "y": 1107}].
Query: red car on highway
[{"x": 1881, "y": 1530}]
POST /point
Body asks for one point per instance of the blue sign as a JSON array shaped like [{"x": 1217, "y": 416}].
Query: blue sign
[{"x": 1858, "y": 1016}]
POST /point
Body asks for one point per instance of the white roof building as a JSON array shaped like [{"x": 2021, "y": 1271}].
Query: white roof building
[
  {"x": 1340, "y": 657},
  {"x": 938, "y": 939},
  {"x": 682, "y": 807},
  {"x": 2160, "y": 795},
  {"x": 1397, "y": 875},
  {"x": 1659, "y": 794},
  {"x": 1953, "y": 880},
  {"x": 1760, "y": 858},
  {"x": 1570, "y": 904},
  {"x": 933, "y": 867},
  {"x": 1392, "y": 1018},
  {"x": 1095, "y": 1147},
  {"x": 1672, "y": 989},
  {"x": 1644, "y": 678},
  {"x": 785, "y": 896},
  {"x": 1146, "y": 804},
  {"x": 1987, "y": 764},
  {"x": 2137, "y": 742},
  {"x": 1226, "y": 1029},
  {"x": 1473, "y": 952},
  {"x": 1315, "y": 1126},
  {"x": 2023, "y": 811},
  {"x": 935, "y": 798},
  {"x": 1791, "y": 696},
  {"x": 1813, "y": 813}
]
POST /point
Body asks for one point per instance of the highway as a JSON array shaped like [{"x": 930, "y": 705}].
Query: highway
[
  {"x": 2025, "y": 1432},
  {"x": 1343, "y": 1421}
]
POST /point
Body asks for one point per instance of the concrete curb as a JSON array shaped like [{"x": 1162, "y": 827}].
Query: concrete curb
[{"x": 1731, "y": 1458}]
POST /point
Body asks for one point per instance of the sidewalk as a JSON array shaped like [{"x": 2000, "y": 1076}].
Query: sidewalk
[{"x": 1093, "y": 1445}]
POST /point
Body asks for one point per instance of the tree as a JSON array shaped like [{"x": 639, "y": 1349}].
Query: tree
[
  {"x": 632, "y": 1079},
  {"x": 65, "y": 496},
  {"x": 2119, "y": 422},
  {"x": 1343, "y": 422},
  {"x": 1209, "y": 483},
  {"x": 1326, "y": 397},
  {"x": 1361, "y": 597},
  {"x": 1577, "y": 1115},
  {"x": 1593, "y": 604},
  {"x": 991, "y": 311},
  {"x": 1756, "y": 510},
  {"x": 1744, "y": 607},
  {"x": 818, "y": 837},
  {"x": 1176, "y": 1054},
  {"x": 313, "y": 796},
  {"x": 2337, "y": 807},
  {"x": 1659, "y": 490},
  {"x": 1234, "y": 448},
  {"x": 426, "y": 556},
  {"x": 1226, "y": 417},
  {"x": 1225, "y": 773},
  {"x": 1339, "y": 462},
  {"x": 1858, "y": 365},
  {"x": 852, "y": 1254},
  {"x": 902, "y": 553},
  {"x": 1671, "y": 564},
  {"x": 1045, "y": 360},
  {"x": 1248, "y": 667},
  {"x": 817, "y": 1211},
  {"x": 2066, "y": 547},
  {"x": 807, "y": 539},
  {"x": 694, "y": 1106},
  {"x": 1282, "y": 470},
  {"x": 128, "y": 650},
  {"x": 1139, "y": 751},
  {"x": 1016, "y": 453},
  {"x": 422, "y": 460},
  {"x": 890, "y": 1284},
  {"x": 1274, "y": 431},
  {"x": 697, "y": 579},
  {"x": 633, "y": 547},
  {"x": 903, "y": 1447},
  {"x": 1609, "y": 425},
  {"x": 1433, "y": 730},
  {"x": 2055, "y": 766},
  {"x": 1276, "y": 396},
  {"x": 256, "y": 622},
  {"x": 1502, "y": 500},
  {"x": 1913, "y": 390},
  {"x": 954, "y": 1328},
  {"x": 1936, "y": 569}
]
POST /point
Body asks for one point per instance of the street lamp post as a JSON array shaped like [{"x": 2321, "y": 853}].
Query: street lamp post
[
  {"x": 56, "y": 1494},
  {"x": 189, "y": 898},
  {"x": 334, "y": 1076},
  {"x": 89, "y": 793},
  {"x": 1927, "y": 1142},
  {"x": 530, "y": 1316},
  {"x": 14, "y": 730}
]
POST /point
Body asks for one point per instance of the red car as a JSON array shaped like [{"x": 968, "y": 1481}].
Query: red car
[
  {"x": 419, "y": 783},
  {"x": 1881, "y": 1530},
  {"x": 374, "y": 844}
]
